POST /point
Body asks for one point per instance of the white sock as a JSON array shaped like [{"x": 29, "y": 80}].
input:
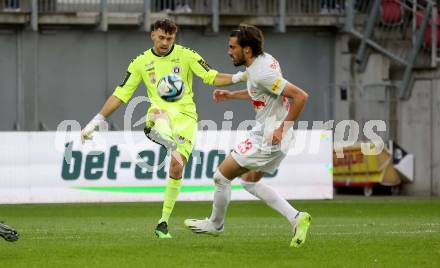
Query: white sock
[
  {"x": 272, "y": 198},
  {"x": 222, "y": 196}
]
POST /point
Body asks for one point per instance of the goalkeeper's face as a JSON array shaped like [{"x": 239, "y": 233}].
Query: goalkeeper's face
[
  {"x": 235, "y": 51},
  {"x": 162, "y": 41}
]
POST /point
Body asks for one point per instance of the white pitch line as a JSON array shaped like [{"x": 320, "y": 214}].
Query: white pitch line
[{"x": 375, "y": 233}]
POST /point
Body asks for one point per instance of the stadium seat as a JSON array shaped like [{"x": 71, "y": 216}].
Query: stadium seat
[
  {"x": 427, "y": 35},
  {"x": 391, "y": 12}
]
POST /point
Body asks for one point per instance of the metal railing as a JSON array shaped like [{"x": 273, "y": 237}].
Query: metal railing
[
  {"x": 323, "y": 7},
  {"x": 383, "y": 21},
  {"x": 386, "y": 25},
  {"x": 226, "y": 7},
  {"x": 14, "y": 6}
]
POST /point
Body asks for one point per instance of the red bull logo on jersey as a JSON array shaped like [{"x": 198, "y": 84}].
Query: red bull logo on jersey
[{"x": 259, "y": 104}]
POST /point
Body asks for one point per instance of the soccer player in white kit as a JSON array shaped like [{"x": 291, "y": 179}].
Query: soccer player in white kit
[{"x": 264, "y": 148}]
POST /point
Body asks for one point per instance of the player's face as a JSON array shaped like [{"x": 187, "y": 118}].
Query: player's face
[
  {"x": 235, "y": 51},
  {"x": 162, "y": 42}
]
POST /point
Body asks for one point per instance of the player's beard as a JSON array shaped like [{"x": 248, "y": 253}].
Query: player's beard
[{"x": 239, "y": 60}]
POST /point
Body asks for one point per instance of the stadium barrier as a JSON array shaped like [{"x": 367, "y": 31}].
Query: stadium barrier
[
  {"x": 389, "y": 168},
  {"x": 53, "y": 167}
]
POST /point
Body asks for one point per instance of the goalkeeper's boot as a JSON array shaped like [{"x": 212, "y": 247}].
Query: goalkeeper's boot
[
  {"x": 203, "y": 227},
  {"x": 165, "y": 140},
  {"x": 162, "y": 230},
  {"x": 300, "y": 228},
  {"x": 8, "y": 233}
]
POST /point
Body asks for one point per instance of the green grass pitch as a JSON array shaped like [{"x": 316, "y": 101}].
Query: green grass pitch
[{"x": 348, "y": 232}]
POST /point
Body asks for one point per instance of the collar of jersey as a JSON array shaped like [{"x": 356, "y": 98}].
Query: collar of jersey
[{"x": 169, "y": 52}]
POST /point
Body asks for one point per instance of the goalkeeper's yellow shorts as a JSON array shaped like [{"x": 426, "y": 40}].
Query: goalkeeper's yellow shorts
[{"x": 183, "y": 127}]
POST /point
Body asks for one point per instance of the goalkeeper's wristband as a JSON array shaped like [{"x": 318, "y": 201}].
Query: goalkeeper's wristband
[
  {"x": 99, "y": 117},
  {"x": 238, "y": 77}
]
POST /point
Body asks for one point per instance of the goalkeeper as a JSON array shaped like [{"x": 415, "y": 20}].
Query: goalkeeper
[{"x": 170, "y": 124}]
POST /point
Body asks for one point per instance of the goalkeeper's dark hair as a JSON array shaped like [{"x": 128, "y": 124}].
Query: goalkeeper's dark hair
[
  {"x": 249, "y": 36},
  {"x": 167, "y": 25}
]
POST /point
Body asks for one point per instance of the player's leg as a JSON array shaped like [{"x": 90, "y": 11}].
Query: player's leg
[
  {"x": 251, "y": 182},
  {"x": 300, "y": 221},
  {"x": 184, "y": 131},
  {"x": 158, "y": 128},
  {"x": 226, "y": 172},
  {"x": 8, "y": 233},
  {"x": 172, "y": 191}
]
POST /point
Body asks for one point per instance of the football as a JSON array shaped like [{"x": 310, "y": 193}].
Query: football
[{"x": 171, "y": 87}]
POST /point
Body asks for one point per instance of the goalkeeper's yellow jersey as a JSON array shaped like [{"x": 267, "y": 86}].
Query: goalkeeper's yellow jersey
[{"x": 150, "y": 67}]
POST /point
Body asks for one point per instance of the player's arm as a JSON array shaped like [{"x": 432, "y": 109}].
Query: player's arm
[
  {"x": 221, "y": 95},
  {"x": 210, "y": 76},
  {"x": 111, "y": 105},
  {"x": 298, "y": 99},
  {"x": 222, "y": 79},
  {"x": 122, "y": 94}
]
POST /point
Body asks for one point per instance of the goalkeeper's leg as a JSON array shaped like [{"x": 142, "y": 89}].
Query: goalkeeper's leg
[
  {"x": 171, "y": 193},
  {"x": 184, "y": 130},
  {"x": 159, "y": 130}
]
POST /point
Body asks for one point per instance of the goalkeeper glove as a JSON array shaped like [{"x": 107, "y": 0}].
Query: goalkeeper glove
[{"x": 91, "y": 127}]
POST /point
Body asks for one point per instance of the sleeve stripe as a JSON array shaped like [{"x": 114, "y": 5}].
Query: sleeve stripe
[
  {"x": 204, "y": 65},
  {"x": 127, "y": 76}
]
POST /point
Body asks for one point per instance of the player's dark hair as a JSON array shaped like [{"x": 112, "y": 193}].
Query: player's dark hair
[
  {"x": 251, "y": 36},
  {"x": 167, "y": 25}
]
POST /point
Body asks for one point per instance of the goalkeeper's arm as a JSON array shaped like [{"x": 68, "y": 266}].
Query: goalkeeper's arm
[
  {"x": 111, "y": 105},
  {"x": 222, "y": 79}
]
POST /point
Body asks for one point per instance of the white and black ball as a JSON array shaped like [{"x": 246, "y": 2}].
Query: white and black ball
[{"x": 171, "y": 87}]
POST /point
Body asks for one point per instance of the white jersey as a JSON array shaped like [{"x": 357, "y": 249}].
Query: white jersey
[{"x": 265, "y": 83}]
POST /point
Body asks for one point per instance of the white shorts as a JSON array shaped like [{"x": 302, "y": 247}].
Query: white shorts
[{"x": 250, "y": 155}]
